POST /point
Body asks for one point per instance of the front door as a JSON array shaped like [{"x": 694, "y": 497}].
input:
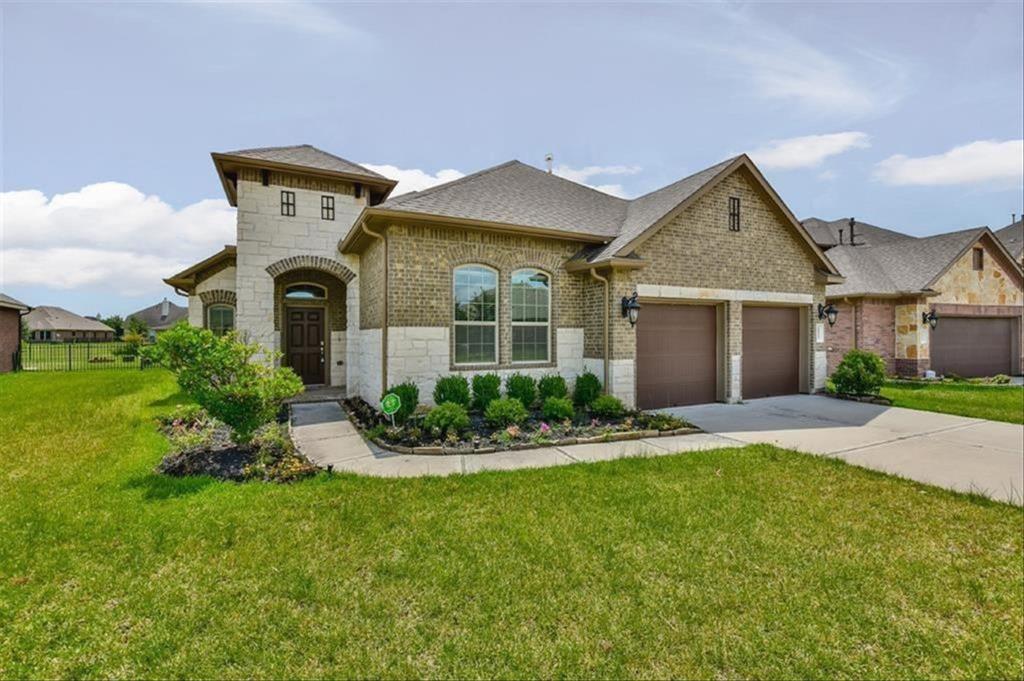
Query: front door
[{"x": 306, "y": 343}]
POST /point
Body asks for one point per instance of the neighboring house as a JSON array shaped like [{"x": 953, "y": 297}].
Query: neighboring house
[
  {"x": 968, "y": 279},
  {"x": 50, "y": 323},
  {"x": 11, "y": 311},
  {"x": 160, "y": 317},
  {"x": 1012, "y": 237},
  {"x": 515, "y": 269}
]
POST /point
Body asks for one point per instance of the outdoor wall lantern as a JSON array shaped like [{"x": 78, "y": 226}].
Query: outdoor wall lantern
[
  {"x": 631, "y": 308},
  {"x": 830, "y": 312},
  {"x": 930, "y": 318}
]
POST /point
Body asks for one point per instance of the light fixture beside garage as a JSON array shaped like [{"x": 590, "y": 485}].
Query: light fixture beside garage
[
  {"x": 631, "y": 308},
  {"x": 830, "y": 312},
  {"x": 930, "y": 318}
]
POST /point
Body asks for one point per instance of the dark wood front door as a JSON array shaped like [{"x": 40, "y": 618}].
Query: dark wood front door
[
  {"x": 972, "y": 346},
  {"x": 306, "y": 350},
  {"x": 676, "y": 347},
  {"x": 771, "y": 351}
]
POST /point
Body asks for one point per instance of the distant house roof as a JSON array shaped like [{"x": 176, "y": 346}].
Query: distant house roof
[
  {"x": 12, "y": 303},
  {"x": 303, "y": 158},
  {"x": 51, "y": 318},
  {"x": 826, "y": 232},
  {"x": 1012, "y": 237},
  {"x": 908, "y": 266},
  {"x": 163, "y": 315}
]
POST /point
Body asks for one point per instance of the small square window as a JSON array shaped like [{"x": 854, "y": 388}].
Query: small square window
[
  {"x": 734, "y": 214},
  {"x": 979, "y": 259},
  {"x": 326, "y": 207},
  {"x": 288, "y": 203}
]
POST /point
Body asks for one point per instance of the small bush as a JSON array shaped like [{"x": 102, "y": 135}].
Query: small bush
[
  {"x": 551, "y": 386},
  {"x": 409, "y": 394},
  {"x": 558, "y": 409},
  {"x": 486, "y": 389},
  {"x": 587, "y": 389},
  {"x": 860, "y": 373},
  {"x": 522, "y": 388},
  {"x": 454, "y": 389},
  {"x": 608, "y": 406},
  {"x": 447, "y": 417},
  {"x": 505, "y": 412}
]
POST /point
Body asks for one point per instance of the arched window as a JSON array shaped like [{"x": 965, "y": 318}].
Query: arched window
[
  {"x": 475, "y": 296},
  {"x": 531, "y": 316},
  {"x": 220, "y": 319},
  {"x": 305, "y": 292}
]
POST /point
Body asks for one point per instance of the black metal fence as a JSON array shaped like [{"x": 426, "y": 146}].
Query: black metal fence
[{"x": 108, "y": 356}]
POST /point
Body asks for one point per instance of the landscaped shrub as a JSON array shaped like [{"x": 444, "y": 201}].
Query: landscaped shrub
[
  {"x": 860, "y": 373},
  {"x": 225, "y": 376},
  {"x": 523, "y": 388},
  {"x": 587, "y": 388},
  {"x": 453, "y": 388},
  {"x": 486, "y": 389},
  {"x": 558, "y": 409},
  {"x": 506, "y": 411},
  {"x": 409, "y": 394},
  {"x": 447, "y": 417},
  {"x": 608, "y": 406},
  {"x": 552, "y": 385}
]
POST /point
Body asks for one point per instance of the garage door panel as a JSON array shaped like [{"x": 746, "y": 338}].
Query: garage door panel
[
  {"x": 676, "y": 355},
  {"x": 972, "y": 346},
  {"x": 771, "y": 351}
]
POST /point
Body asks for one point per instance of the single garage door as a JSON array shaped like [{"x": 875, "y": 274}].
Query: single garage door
[
  {"x": 675, "y": 355},
  {"x": 972, "y": 346},
  {"x": 771, "y": 351}
]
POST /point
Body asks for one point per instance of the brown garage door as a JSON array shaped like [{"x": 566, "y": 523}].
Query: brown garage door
[
  {"x": 972, "y": 346},
  {"x": 675, "y": 355},
  {"x": 771, "y": 351}
]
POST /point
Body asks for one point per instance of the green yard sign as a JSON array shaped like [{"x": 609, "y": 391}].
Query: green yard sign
[{"x": 390, "y": 404}]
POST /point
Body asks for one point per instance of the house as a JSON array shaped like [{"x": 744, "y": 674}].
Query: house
[
  {"x": 160, "y": 317},
  {"x": 1012, "y": 237},
  {"x": 515, "y": 269},
  {"x": 966, "y": 283},
  {"x": 11, "y": 311},
  {"x": 50, "y": 323}
]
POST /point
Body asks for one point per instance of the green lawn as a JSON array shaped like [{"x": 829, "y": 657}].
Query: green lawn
[
  {"x": 996, "y": 402},
  {"x": 752, "y": 562}
]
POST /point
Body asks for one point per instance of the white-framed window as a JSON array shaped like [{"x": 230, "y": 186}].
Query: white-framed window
[
  {"x": 305, "y": 292},
  {"x": 220, "y": 319},
  {"x": 475, "y": 314},
  {"x": 531, "y": 316}
]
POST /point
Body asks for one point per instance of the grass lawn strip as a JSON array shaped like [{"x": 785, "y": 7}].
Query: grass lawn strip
[
  {"x": 754, "y": 562},
  {"x": 997, "y": 403}
]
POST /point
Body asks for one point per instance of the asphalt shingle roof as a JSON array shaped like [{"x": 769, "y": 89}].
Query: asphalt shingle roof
[
  {"x": 1012, "y": 237},
  {"x": 826, "y": 232},
  {"x": 307, "y": 156},
  {"x": 51, "y": 318},
  {"x": 154, "y": 318},
  {"x": 7, "y": 301}
]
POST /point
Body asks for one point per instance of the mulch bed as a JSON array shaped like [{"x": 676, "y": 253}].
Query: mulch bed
[
  {"x": 483, "y": 438},
  {"x": 869, "y": 399}
]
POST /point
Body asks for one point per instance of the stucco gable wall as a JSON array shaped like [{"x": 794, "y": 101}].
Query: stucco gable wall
[{"x": 993, "y": 285}]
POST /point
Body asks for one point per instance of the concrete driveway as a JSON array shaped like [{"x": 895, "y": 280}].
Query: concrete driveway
[{"x": 958, "y": 453}]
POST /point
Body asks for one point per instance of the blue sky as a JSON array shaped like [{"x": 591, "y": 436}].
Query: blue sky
[{"x": 908, "y": 116}]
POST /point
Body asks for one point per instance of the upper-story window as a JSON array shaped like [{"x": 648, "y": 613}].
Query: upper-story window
[
  {"x": 220, "y": 319},
  {"x": 288, "y": 203},
  {"x": 734, "y": 214},
  {"x": 475, "y": 297},
  {"x": 531, "y": 316},
  {"x": 305, "y": 292},
  {"x": 979, "y": 259},
  {"x": 326, "y": 207}
]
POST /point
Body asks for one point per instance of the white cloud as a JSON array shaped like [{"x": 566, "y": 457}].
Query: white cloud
[
  {"x": 808, "y": 151},
  {"x": 991, "y": 161},
  {"x": 584, "y": 175},
  {"x": 413, "y": 179},
  {"x": 108, "y": 236},
  {"x": 298, "y": 15}
]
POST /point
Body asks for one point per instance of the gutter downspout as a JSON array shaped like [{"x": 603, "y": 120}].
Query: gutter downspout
[
  {"x": 384, "y": 323},
  {"x": 607, "y": 303}
]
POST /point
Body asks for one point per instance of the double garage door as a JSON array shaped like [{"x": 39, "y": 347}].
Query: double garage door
[
  {"x": 678, "y": 350},
  {"x": 972, "y": 346}
]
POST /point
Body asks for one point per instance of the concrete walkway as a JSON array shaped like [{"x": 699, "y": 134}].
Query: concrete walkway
[
  {"x": 955, "y": 452},
  {"x": 324, "y": 434}
]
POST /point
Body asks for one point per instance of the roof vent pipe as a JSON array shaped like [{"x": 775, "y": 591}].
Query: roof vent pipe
[
  {"x": 840, "y": 237},
  {"x": 1013, "y": 218},
  {"x": 853, "y": 222},
  {"x": 549, "y": 159}
]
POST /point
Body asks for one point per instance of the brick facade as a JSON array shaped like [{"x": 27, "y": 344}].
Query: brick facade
[{"x": 10, "y": 337}]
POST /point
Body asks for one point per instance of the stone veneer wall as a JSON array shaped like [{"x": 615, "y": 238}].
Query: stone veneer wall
[
  {"x": 265, "y": 236},
  {"x": 220, "y": 280}
]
